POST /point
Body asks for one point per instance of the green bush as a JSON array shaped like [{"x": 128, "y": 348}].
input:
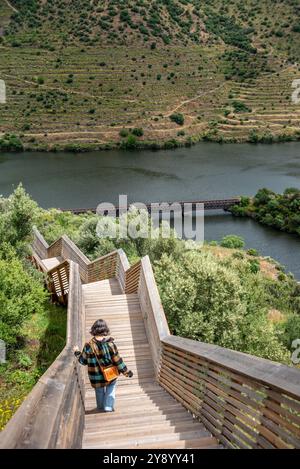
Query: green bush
[
  {"x": 10, "y": 142},
  {"x": 138, "y": 132},
  {"x": 290, "y": 330},
  {"x": 123, "y": 133},
  {"x": 239, "y": 106},
  {"x": 232, "y": 242},
  {"x": 21, "y": 296},
  {"x": 130, "y": 144},
  {"x": 211, "y": 301},
  {"x": 252, "y": 252},
  {"x": 178, "y": 118}
]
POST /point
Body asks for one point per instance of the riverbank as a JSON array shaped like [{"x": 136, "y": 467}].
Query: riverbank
[
  {"x": 12, "y": 143},
  {"x": 280, "y": 211}
]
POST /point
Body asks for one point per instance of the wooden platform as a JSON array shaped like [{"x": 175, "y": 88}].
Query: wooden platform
[
  {"x": 146, "y": 415},
  {"x": 52, "y": 262}
]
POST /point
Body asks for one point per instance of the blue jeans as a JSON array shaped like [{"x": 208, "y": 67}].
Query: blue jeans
[{"x": 105, "y": 397}]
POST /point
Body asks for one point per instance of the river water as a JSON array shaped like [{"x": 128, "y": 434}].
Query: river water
[{"x": 205, "y": 171}]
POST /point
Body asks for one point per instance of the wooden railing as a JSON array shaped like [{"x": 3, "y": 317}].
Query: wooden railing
[
  {"x": 39, "y": 245},
  {"x": 52, "y": 416},
  {"x": 154, "y": 317},
  {"x": 245, "y": 401},
  {"x": 132, "y": 278},
  {"x": 64, "y": 248},
  {"x": 58, "y": 282}
]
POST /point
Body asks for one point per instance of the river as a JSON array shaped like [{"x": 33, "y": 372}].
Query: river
[{"x": 204, "y": 171}]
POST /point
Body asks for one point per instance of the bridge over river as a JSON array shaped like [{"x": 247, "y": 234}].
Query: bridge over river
[{"x": 215, "y": 204}]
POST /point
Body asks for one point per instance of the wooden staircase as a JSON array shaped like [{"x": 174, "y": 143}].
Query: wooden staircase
[
  {"x": 146, "y": 415},
  {"x": 184, "y": 393}
]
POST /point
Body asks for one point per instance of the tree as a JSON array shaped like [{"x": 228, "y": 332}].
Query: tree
[{"x": 17, "y": 218}]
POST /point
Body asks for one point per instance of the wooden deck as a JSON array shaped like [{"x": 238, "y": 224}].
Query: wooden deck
[{"x": 146, "y": 416}]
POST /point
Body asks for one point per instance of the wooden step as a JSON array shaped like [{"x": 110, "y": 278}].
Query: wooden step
[
  {"x": 146, "y": 416},
  {"x": 156, "y": 439}
]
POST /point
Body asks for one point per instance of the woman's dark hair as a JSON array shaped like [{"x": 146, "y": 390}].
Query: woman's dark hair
[{"x": 99, "y": 328}]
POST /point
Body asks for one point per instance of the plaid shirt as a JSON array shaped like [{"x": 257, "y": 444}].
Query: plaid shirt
[{"x": 87, "y": 357}]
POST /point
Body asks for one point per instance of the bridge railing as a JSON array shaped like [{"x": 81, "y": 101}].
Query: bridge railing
[{"x": 52, "y": 415}]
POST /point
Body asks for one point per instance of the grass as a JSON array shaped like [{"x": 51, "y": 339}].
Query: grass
[{"x": 43, "y": 338}]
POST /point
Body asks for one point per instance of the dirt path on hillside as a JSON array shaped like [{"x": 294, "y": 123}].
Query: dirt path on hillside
[
  {"x": 11, "y": 6},
  {"x": 187, "y": 101}
]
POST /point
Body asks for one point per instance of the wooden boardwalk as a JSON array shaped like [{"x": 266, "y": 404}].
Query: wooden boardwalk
[
  {"x": 184, "y": 393},
  {"x": 146, "y": 416}
]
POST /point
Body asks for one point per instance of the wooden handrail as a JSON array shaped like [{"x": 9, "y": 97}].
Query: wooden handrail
[
  {"x": 154, "y": 317},
  {"x": 245, "y": 401},
  {"x": 39, "y": 245},
  {"x": 52, "y": 415},
  {"x": 123, "y": 266}
]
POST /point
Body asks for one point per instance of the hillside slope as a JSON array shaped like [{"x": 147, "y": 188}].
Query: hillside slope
[{"x": 87, "y": 72}]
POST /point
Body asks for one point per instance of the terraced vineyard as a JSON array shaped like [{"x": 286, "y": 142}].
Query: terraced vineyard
[{"x": 101, "y": 89}]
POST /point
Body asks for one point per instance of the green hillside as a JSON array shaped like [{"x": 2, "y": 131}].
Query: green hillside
[{"x": 84, "y": 73}]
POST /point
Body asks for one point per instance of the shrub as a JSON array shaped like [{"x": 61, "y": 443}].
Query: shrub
[
  {"x": 21, "y": 296},
  {"x": 138, "y": 132},
  {"x": 210, "y": 301},
  {"x": 252, "y": 252},
  {"x": 10, "y": 142},
  {"x": 232, "y": 242},
  {"x": 178, "y": 118},
  {"x": 239, "y": 106},
  {"x": 123, "y": 133},
  {"x": 130, "y": 143},
  {"x": 254, "y": 266},
  {"x": 290, "y": 330}
]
